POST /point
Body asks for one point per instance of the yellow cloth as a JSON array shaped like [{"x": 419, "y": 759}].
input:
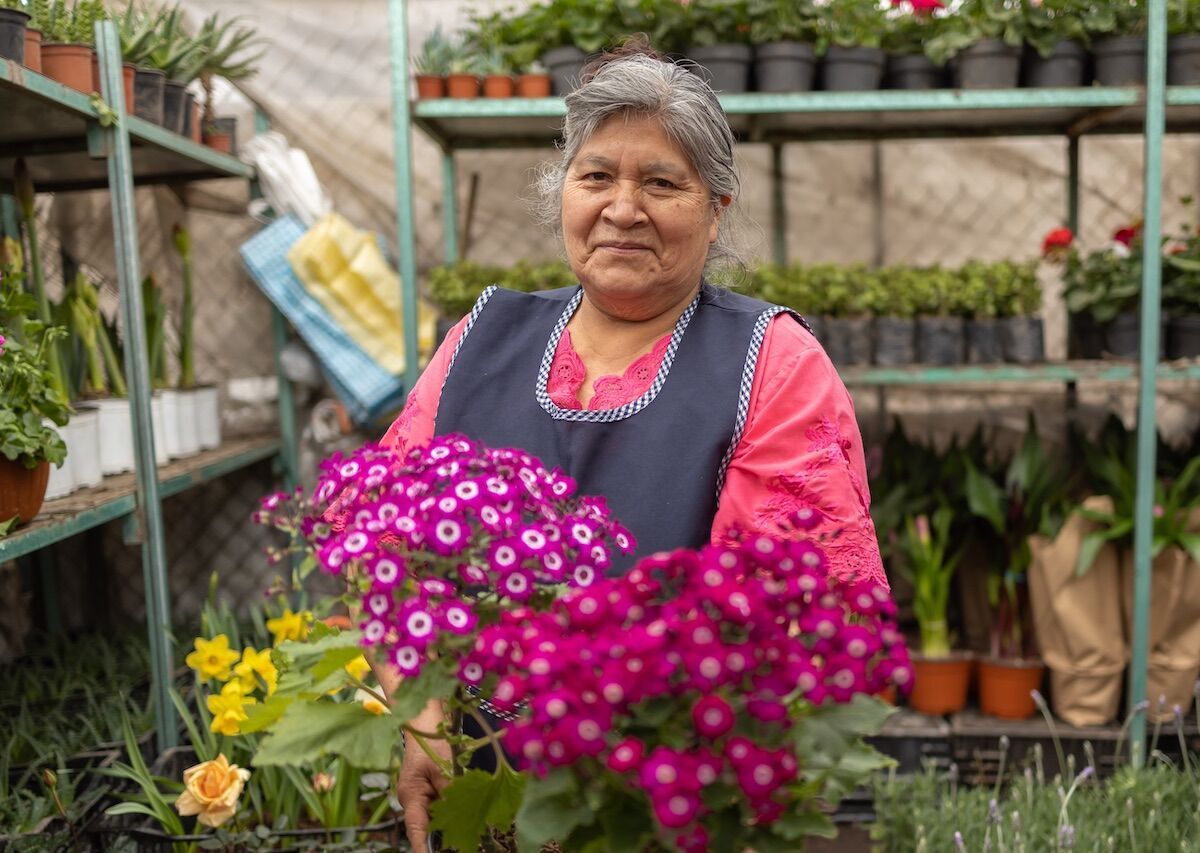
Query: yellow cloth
[{"x": 343, "y": 268}]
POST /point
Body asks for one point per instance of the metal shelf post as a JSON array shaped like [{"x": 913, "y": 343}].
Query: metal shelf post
[
  {"x": 137, "y": 375},
  {"x": 406, "y": 241},
  {"x": 1151, "y": 311},
  {"x": 449, "y": 206}
]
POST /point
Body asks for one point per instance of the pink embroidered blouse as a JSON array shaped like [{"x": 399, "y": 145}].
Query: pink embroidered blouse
[{"x": 801, "y": 446}]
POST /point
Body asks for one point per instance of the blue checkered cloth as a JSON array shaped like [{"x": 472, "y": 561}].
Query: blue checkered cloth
[{"x": 366, "y": 389}]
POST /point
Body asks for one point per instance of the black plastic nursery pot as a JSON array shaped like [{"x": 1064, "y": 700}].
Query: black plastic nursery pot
[
  {"x": 983, "y": 341},
  {"x": 148, "y": 91},
  {"x": 848, "y": 340},
  {"x": 914, "y": 72},
  {"x": 1183, "y": 60},
  {"x": 726, "y": 67},
  {"x": 1123, "y": 336},
  {"x": 13, "y": 24},
  {"x": 1063, "y": 68},
  {"x": 852, "y": 69},
  {"x": 988, "y": 64},
  {"x": 895, "y": 341},
  {"x": 189, "y": 114},
  {"x": 1183, "y": 336},
  {"x": 1022, "y": 339},
  {"x": 1086, "y": 337},
  {"x": 1120, "y": 61},
  {"x": 785, "y": 66},
  {"x": 174, "y": 106},
  {"x": 565, "y": 65},
  {"x": 940, "y": 340}
]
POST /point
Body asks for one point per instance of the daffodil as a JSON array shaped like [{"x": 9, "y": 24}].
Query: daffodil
[
  {"x": 370, "y": 702},
  {"x": 213, "y": 658},
  {"x": 290, "y": 626},
  {"x": 255, "y": 665},
  {"x": 358, "y": 668},
  {"x": 229, "y": 708}
]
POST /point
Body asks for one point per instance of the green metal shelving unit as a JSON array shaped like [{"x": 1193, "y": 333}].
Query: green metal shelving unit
[
  {"x": 70, "y": 146},
  {"x": 775, "y": 119}
]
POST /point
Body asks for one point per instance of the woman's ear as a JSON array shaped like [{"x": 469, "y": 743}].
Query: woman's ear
[{"x": 722, "y": 202}]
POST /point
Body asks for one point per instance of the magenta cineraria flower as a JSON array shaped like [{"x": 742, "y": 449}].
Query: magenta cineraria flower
[{"x": 712, "y": 716}]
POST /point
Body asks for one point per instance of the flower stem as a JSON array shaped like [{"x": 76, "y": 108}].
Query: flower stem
[
  {"x": 420, "y": 738},
  {"x": 490, "y": 736}
]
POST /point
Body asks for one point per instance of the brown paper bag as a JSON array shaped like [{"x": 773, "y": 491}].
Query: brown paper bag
[
  {"x": 1174, "y": 654},
  {"x": 1078, "y": 622}
]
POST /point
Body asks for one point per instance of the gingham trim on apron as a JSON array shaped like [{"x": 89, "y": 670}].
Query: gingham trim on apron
[
  {"x": 500, "y": 713},
  {"x": 607, "y": 416},
  {"x": 471, "y": 318},
  {"x": 743, "y": 412}
]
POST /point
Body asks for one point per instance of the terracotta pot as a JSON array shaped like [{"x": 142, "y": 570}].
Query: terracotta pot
[
  {"x": 1006, "y": 687},
  {"x": 222, "y": 142},
  {"x": 22, "y": 489},
  {"x": 128, "y": 72},
  {"x": 940, "y": 684},
  {"x": 462, "y": 86},
  {"x": 69, "y": 64},
  {"x": 533, "y": 86},
  {"x": 431, "y": 86},
  {"x": 33, "y": 50},
  {"x": 499, "y": 86}
]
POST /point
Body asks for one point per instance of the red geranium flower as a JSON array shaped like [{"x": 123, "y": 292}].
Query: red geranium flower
[
  {"x": 1126, "y": 235},
  {"x": 1058, "y": 240}
]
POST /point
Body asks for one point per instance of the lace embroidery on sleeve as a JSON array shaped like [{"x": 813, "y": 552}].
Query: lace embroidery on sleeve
[
  {"x": 397, "y": 434},
  {"x": 832, "y": 449}
]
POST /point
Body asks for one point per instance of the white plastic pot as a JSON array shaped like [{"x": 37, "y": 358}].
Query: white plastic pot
[
  {"x": 189, "y": 433},
  {"x": 208, "y": 417},
  {"x": 116, "y": 436},
  {"x": 158, "y": 424},
  {"x": 62, "y": 479},
  {"x": 83, "y": 446},
  {"x": 169, "y": 438}
]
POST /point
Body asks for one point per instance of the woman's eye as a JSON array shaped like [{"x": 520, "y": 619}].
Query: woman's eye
[
  {"x": 661, "y": 183},
  {"x": 595, "y": 176}
]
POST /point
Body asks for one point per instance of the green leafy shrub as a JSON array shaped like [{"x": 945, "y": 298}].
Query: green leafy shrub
[{"x": 454, "y": 289}]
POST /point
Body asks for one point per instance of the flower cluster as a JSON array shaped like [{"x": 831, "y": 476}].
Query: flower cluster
[
  {"x": 734, "y": 643},
  {"x": 241, "y": 675},
  {"x": 426, "y": 535}
]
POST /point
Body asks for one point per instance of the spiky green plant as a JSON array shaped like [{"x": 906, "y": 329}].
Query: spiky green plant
[{"x": 228, "y": 50}]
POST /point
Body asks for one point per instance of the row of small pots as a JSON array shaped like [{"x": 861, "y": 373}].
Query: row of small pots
[
  {"x": 988, "y": 64},
  {"x": 490, "y": 86},
  {"x": 894, "y": 341},
  {"x": 940, "y": 685},
  {"x": 148, "y": 94},
  {"x": 1121, "y": 337},
  {"x": 100, "y": 442}
]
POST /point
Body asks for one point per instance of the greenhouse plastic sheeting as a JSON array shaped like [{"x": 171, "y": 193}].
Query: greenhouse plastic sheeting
[{"x": 367, "y": 390}]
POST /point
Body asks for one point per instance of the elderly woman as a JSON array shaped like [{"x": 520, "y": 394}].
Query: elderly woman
[{"x": 692, "y": 409}]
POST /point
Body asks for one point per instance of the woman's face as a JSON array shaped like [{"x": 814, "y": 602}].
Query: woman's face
[{"x": 637, "y": 220}]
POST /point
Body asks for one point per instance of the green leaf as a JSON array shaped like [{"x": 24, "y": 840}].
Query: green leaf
[
  {"x": 796, "y": 825},
  {"x": 436, "y": 681},
  {"x": 552, "y": 809},
  {"x": 1088, "y": 549},
  {"x": 131, "y": 808},
  {"x": 985, "y": 498},
  {"x": 309, "y": 730},
  {"x": 265, "y": 714},
  {"x": 473, "y": 802},
  {"x": 863, "y": 715}
]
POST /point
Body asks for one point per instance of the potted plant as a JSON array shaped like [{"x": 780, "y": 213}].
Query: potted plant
[
  {"x": 981, "y": 303},
  {"x": 983, "y": 38},
  {"x": 67, "y": 42},
  {"x": 1183, "y": 42},
  {"x": 720, "y": 35},
  {"x": 940, "y": 324},
  {"x": 940, "y": 676},
  {"x": 432, "y": 65},
  {"x": 847, "y": 321},
  {"x": 138, "y": 31},
  {"x": 33, "y": 34},
  {"x": 81, "y": 306},
  {"x": 1107, "y": 285},
  {"x": 1181, "y": 294},
  {"x": 14, "y": 20},
  {"x": 533, "y": 81},
  {"x": 1020, "y": 307},
  {"x": 30, "y": 404},
  {"x": 911, "y": 25},
  {"x": 569, "y": 32},
  {"x": 896, "y": 304},
  {"x": 784, "y": 34},
  {"x": 498, "y": 81},
  {"x": 792, "y": 287},
  {"x": 1056, "y": 37},
  {"x": 1028, "y": 498},
  {"x": 225, "y": 53},
  {"x": 202, "y": 400},
  {"x": 179, "y": 57},
  {"x": 1118, "y": 33},
  {"x": 854, "y": 32},
  {"x": 463, "y": 79}
]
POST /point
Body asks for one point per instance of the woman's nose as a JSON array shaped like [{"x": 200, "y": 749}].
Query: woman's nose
[{"x": 624, "y": 209}]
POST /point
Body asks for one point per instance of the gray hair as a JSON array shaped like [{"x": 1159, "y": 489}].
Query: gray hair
[{"x": 691, "y": 116}]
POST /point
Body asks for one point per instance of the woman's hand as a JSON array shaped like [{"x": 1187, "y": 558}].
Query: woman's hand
[{"x": 421, "y": 779}]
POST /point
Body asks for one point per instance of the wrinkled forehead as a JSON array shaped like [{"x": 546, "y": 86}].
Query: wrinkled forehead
[{"x": 634, "y": 139}]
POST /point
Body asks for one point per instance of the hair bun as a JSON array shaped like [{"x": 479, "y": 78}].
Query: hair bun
[{"x": 637, "y": 44}]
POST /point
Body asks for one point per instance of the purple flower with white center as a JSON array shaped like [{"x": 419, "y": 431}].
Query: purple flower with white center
[
  {"x": 374, "y": 631},
  {"x": 712, "y": 716},
  {"x": 358, "y": 542},
  {"x": 407, "y": 659},
  {"x": 472, "y": 575},
  {"x": 459, "y": 618},
  {"x": 471, "y": 672},
  {"x": 379, "y": 604},
  {"x": 387, "y": 571},
  {"x": 533, "y": 541},
  {"x": 517, "y": 585},
  {"x": 448, "y": 536},
  {"x": 626, "y": 756},
  {"x": 584, "y": 576},
  {"x": 417, "y": 623},
  {"x": 332, "y": 556},
  {"x": 504, "y": 555}
]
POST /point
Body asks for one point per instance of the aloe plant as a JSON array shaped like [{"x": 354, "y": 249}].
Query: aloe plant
[
  {"x": 436, "y": 54},
  {"x": 225, "y": 51}
]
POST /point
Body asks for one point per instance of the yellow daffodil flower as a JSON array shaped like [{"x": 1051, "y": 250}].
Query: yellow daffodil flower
[
  {"x": 256, "y": 664},
  {"x": 370, "y": 703},
  {"x": 358, "y": 668},
  {"x": 229, "y": 708},
  {"x": 213, "y": 658},
  {"x": 290, "y": 626}
]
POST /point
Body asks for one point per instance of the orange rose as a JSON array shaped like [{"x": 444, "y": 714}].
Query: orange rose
[{"x": 213, "y": 788}]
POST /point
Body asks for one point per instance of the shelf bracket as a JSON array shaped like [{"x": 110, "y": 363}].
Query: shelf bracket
[{"x": 99, "y": 143}]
